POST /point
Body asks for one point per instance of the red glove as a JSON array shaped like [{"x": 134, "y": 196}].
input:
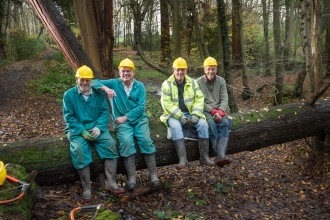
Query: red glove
[
  {"x": 217, "y": 118},
  {"x": 221, "y": 113},
  {"x": 213, "y": 111}
]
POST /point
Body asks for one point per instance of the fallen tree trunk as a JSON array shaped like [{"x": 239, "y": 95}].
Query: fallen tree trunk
[{"x": 251, "y": 131}]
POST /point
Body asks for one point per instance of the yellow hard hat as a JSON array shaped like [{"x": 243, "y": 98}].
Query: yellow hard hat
[
  {"x": 126, "y": 63},
  {"x": 210, "y": 61},
  {"x": 85, "y": 72},
  {"x": 180, "y": 63},
  {"x": 3, "y": 173}
]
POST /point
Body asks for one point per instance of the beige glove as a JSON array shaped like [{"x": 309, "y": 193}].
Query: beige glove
[{"x": 95, "y": 132}]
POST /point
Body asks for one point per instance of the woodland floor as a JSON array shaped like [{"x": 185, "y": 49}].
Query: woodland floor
[{"x": 277, "y": 182}]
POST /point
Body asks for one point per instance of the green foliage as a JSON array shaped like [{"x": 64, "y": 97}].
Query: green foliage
[
  {"x": 153, "y": 106},
  {"x": 167, "y": 185},
  {"x": 190, "y": 194},
  {"x": 195, "y": 216},
  {"x": 200, "y": 201},
  {"x": 57, "y": 80},
  {"x": 21, "y": 46},
  {"x": 113, "y": 199},
  {"x": 161, "y": 214},
  {"x": 224, "y": 186},
  {"x": 149, "y": 74}
]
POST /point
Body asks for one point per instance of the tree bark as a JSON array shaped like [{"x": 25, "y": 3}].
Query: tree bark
[
  {"x": 278, "y": 48},
  {"x": 221, "y": 9},
  {"x": 176, "y": 29},
  {"x": 265, "y": 18},
  {"x": 204, "y": 52},
  {"x": 307, "y": 41},
  {"x": 62, "y": 34},
  {"x": 165, "y": 39},
  {"x": 51, "y": 157},
  {"x": 237, "y": 11}
]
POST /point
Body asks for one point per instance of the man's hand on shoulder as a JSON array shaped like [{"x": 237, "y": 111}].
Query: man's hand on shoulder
[{"x": 110, "y": 92}]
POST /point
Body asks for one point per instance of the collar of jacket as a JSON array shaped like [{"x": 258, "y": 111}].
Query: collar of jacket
[{"x": 210, "y": 81}]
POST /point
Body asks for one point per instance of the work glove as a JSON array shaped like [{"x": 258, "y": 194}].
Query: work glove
[
  {"x": 87, "y": 136},
  {"x": 217, "y": 118},
  {"x": 194, "y": 119},
  {"x": 95, "y": 132},
  {"x": 213, "y": 111},
  {"x": 184, "y": 120},
  {"x": 221, "y": 113}
]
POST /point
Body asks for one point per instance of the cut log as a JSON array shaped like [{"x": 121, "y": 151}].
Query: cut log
[{"x": 251, "y": 131}]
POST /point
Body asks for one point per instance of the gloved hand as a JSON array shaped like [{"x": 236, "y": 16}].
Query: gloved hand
[
  {"x": 87, "y": 136},
  {"x": 213, "y": 111},
  {"x": 184, "y": 120},
  {"x": 221, "y": 113},
  {"x": 194, "y": 119},
  {"x": 95, "y": 132},
  {"x": 217, "y": 118}
]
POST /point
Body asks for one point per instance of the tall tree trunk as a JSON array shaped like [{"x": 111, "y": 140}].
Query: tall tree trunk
[
  {"x": 237, "y": 12},
  {"x": 325, "y": 15},
  {"x": 316, "y": 45},
  {"x": 189, "y": 31},
  {"x": 3, "y": 54},
  {"x": 204, "y": 52},
  {"x": 278, "y": 53},
  {"x": 87, "y": 25},
  {"x": 221, "y": 9},
  {"x": 221, "y": 70},
  {"x": 288, "y": 27},
  {"x": 307, "y": 41},
  {"x": 265, "y": 16},
  {"x": 235, "y": 39},
  {"x": 327, "y": 51},
  {"x": 165, "y": 41},
  {"x": 139, "y": 10},
  {"x": 176, "y": 28},
  {"x": 95, "y": 23},
  {"x": 62, "y": 34}
]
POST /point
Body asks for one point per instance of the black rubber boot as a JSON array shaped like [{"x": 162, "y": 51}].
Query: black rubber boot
[
  {"x": 110, "y": 167},
  {"x": 181, "y": 152},
  {"x": 204, "y": 152},
  {"x": 84, "y": 175},
  {"x": 151, "y": 164},
  {"x": 130, "y": 170}
]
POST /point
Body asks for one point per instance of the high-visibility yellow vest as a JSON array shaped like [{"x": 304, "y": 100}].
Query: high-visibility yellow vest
[{"x": 192, "y": 95}]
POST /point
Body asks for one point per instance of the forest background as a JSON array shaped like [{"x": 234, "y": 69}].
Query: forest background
[{"x": 260, "y": 42}]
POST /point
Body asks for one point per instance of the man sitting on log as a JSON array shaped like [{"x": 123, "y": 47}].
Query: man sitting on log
[
  {"x": 183, "y": 104},
  {"x": 86, "y": 115},
  {"x": 128, "y": 101},
  {"x": 216, "y": 102}
]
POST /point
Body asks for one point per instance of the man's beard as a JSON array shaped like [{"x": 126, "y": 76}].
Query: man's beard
[{"x": 84, "y": 88}]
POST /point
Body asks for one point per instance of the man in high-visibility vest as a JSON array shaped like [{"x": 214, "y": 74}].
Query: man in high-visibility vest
[{"x": 183, "y": 104}]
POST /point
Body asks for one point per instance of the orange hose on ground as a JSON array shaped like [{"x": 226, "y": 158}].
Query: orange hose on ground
[
  {"x": 12, "y": 200},
  {"x": 72, "y": 213}
]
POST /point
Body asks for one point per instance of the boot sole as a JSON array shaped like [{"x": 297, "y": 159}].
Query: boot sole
[{"x": 221, "y": 163}]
